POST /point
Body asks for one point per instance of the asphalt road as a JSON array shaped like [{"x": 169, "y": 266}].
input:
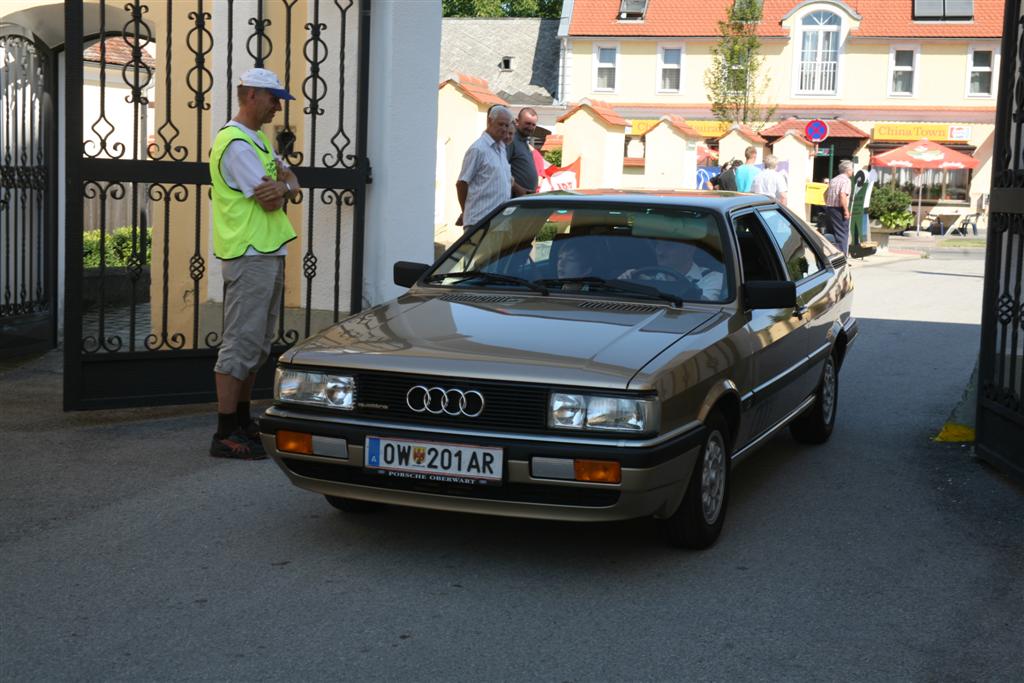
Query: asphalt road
[{"x": 127, "y": 554}]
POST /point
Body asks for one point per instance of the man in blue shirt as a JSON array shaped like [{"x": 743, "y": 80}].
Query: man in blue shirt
[{"x": 746, "y": 173}]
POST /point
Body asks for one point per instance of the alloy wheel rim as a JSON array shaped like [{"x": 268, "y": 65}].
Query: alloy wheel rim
[
  {"x": 828, "y": 391},
  {"x": 712, "y": 484}
]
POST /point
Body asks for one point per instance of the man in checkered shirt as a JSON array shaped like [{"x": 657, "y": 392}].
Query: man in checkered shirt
[{"x": 837, "y": 206}]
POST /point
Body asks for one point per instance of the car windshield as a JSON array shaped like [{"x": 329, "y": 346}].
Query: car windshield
[{"x": 671, "y": 253}]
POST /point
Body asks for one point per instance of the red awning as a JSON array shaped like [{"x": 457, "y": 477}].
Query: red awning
[{"x": 924, "y": 154}]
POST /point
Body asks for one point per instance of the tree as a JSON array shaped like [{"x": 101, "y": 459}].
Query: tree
[
  {"x": 546, "y": 9},
  {"x": 733, "y": 81}
]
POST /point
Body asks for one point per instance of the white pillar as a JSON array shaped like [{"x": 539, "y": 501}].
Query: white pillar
[{"x": 401, "y": 143}]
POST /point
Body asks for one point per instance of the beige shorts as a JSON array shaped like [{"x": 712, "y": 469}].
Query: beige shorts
[{"x": 253, "y": 287}]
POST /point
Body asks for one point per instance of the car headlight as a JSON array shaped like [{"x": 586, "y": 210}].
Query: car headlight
[
  {"x": 315, "y": 388},
  {"x": 602, "y": 413}
]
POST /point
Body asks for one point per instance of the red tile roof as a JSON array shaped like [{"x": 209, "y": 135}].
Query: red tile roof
[
  {"x": 474, "y": 88},
  {"x": 882, "y": 18},
  {"x": 837, "y": 128},
  {"x": 118, "y": 51},
  {"x": 680, "y": 124},
  {"x": 633, "y": 161},
  {"x": 551, "y": 142},
  {"x": 795, "y": 135},
  {"x": 747, "y": 133},
  {"x": 602, "y": 110}
]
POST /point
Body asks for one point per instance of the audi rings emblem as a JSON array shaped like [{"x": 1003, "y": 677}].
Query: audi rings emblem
[{"x": 437, "y": 401}]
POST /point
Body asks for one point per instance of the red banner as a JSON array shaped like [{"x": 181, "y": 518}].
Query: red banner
[{"x": 560, "y": 177}]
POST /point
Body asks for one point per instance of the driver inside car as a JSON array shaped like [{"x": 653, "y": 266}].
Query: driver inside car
[{"x": 675, "y": 263}]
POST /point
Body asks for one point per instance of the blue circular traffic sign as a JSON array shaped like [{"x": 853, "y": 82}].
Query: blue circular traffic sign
[{"x": 816, "y": 130}]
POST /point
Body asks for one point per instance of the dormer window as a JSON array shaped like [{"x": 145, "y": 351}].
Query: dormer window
[
  {"x": 943, "y": 10},
  {"x": 506, "y": 63},
  {"x": 632, "y": 10}
]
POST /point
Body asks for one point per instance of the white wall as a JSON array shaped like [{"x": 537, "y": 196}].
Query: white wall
[{"x": 404, "y": 62}]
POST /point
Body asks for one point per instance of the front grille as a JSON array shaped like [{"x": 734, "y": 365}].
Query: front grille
[
  {"x": 515, "y": 492},
  {"x": 508, "y": 406}
]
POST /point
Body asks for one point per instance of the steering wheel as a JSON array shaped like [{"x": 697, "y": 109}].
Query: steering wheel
[{"x": 690, "y": 290}]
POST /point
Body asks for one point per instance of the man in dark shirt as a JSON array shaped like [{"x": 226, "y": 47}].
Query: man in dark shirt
[
  {"x": 520, "y": 154},
  {"x": 727, "y": 178}
]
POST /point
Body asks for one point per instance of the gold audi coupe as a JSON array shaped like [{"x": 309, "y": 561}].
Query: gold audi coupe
[{"x": 586, "y": 356}]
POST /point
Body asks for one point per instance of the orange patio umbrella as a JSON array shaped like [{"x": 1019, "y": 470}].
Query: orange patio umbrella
[{"x": 923, "y": 155}]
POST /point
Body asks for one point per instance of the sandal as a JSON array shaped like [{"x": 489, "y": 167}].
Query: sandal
[{"x": 236, "y": 447}]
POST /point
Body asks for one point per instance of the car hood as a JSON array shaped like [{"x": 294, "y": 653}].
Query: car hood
[{"x": 549, "y": 340}]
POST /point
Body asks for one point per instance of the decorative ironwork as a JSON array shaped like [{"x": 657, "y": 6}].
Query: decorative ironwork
[
  {"x": 338, "y": 157},
  {"x": 169, "y": 313},
  {"x": 167, "y": 131},
  {"x": 259, "y": 38},
  {"x": 1000, "y": 416},
  {"x": 27, "y": 227}
]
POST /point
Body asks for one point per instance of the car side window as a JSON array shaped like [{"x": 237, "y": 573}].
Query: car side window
[
  {"x": 757, "y": 253},
  {"x": 800, "y": 258}
]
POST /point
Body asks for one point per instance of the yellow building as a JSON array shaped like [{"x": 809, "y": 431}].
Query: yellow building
[{"x": 874, "y": 65}]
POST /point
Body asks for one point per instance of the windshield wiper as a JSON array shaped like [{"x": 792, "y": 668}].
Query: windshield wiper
[
  {"x": 615, "y": 286},
  {"x": 490, "y": 277}
]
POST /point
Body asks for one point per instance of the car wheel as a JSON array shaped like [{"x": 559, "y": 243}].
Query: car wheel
[
  {"x": 353, "y": 505},
  {"x": 815, "y": 425},
  {"x": 699, "y": 519}
]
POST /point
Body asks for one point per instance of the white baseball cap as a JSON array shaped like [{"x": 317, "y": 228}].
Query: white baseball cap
[{"x": 266, "y": 79}]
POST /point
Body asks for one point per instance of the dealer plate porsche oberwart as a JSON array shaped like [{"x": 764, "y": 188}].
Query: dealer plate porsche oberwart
[{"x": 452, "y": 462}]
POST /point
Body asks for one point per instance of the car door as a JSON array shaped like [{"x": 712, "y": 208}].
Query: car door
[
  {"x": 815, "y": 281},
  {"x": 774, "y": 339},
  {"x": 805, "y": 266}
]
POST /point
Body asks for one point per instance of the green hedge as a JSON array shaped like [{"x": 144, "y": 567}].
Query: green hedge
[{"x": 118, "y": 246}]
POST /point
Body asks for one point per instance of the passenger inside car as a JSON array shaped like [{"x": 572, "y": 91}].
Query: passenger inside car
[
  {"x": 676, "y": 261},
  {"x": 576, "y": 256}
]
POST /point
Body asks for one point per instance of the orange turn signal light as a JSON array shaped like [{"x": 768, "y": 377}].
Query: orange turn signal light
[
  {"x": 295, "y": 442},
  {"x": 604, "y": 471}
]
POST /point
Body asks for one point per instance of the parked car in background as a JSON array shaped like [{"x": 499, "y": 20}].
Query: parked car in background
[{"x": 583, "y": 356}]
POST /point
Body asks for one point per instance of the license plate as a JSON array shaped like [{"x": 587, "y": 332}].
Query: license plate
[{"x": 432, "y": 461}]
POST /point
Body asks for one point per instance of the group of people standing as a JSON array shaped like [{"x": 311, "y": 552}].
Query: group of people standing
[
  {"x": 501, "y": 164},
  {"x": 737, "y": 176},
  {"x": 745, "y": 176}
]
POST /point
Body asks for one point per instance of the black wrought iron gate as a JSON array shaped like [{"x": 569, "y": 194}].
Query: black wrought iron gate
[
  {"x": 143, "y": 310},
  {"x": 1000, "y": 424},
  {"x": 28, "y": 238}
]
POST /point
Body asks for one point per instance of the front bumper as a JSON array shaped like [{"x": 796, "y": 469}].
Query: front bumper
[{"x": 654, "y": 476}]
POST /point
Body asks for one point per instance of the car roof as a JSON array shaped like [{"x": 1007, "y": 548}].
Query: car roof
[{"x": 712, "y": 199}]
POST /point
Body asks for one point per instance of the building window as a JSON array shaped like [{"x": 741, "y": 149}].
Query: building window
[
  {"x": 979, "y": 73},
  {"x": 632, "y": 10},
  {"x": 819, "y": 53},
  {"x": 670, "y": 69},
  {"x": 902, "y": 64},
  {"x": 604, "y": 78},
  {"x": 943, "y": 10},
  {"x": 506, "y": 63}
]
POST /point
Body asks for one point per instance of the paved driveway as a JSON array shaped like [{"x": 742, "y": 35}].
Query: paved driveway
[{"x": 127, "y": 554}]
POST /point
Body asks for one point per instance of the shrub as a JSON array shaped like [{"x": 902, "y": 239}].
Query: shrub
[
  {"x": 891, "y": 207},
  {"x": 117, "y": 247},
  {"x": 553, "y": 156}
]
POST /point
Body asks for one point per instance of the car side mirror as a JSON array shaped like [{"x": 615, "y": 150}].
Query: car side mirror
[
  {"x": 769, "y": 294},
  {"x": 408, "y": 272}
]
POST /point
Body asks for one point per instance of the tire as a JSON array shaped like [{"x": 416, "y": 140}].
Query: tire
[
  {"x": 815, "y": 425},
  {"x": 698, "y": 521},
  {"x": 353, "y": 505}
]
